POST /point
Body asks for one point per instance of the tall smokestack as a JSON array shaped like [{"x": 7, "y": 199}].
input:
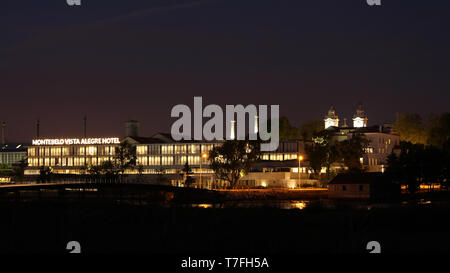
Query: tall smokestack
[
  {"x": 233, "y": 132},
  {"x": 38, "y": 125},
  {"x": 3, "y": 132},
  {"x": 131, "y": 128},
  {"x": 84, "y": 126}
]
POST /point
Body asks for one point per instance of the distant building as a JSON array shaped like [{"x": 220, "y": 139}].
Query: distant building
[
  {"x": 12, "y": 153},
  {"x": 362, "y": 186},
  {"x": 383, "y": 139}
]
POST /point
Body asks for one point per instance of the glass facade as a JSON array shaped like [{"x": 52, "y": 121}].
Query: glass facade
[
  {"x": 155, "y": 157},
  {"x": 9, "y": 158},
  {"x": 69, "y": 156},
  {"x": 172, "y": 155}
]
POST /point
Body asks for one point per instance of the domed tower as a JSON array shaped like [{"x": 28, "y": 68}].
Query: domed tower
[
  {"x": 360, "y": 118},
  {"x": 331, "y": 119}
]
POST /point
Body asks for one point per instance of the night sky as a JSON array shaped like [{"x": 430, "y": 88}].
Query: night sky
[{"x": 117, "y": 60}]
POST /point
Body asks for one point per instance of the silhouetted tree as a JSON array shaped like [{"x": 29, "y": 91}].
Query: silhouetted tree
[
  {"x": 418, "y": 164},
  {"x": 439, "y": 133},
  {"x": 306, "y": 131},
  {"x": 140, "y": 175},
  {"x": 186, "y": 173},
  {"x": 287, "y": 131},
  {"x": 161, "y": 178},
  {"x": 351, "y": 150},
  {"x": 317, "y": 156},
  {"x": 233, "y": 159},
  {"x": 45, "y": 174},
  {"x": 325, "y": 152},
  {"x": 310, "y": 128},
  {"x": 5, "y": 170},
  {"x": 19, "y": 168},
  {"x": 411, "y": 128},
  {"x": 125, "y": 156},
  {"x": 107, "y": 170}
]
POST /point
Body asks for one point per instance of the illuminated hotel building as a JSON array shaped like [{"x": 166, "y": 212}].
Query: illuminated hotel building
[
  {"x": 159, "y": 154},
  {"x": 162, "y": 151},
  {"x": 69, "y": 156}
]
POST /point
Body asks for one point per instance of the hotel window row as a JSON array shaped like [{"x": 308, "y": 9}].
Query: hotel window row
[
  {"x": 71, "y": 151},
  {"x": 66, "y": 161},
  {"x": 170, "y": 160},
  {"x": 279, "y": 156},
  {"x": 173, "y": 149}
]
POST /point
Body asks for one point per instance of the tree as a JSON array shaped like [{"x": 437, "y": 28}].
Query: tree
[
  {"x": 160, "y": 178},
  {"x": 140, "y": 169},
  {"x": 186, "y": 173},
  {"x": 310, "y": 128},
  {"x": 418, "y": 164},
  {"x": 306, "y": 131},
  {"x": 411, "y": 129},
  {"x": 19, "y": 168},
  {"x": 439, "y": 132},
  {"x": 325, "y": 153},
  {"x": 233, "y": 159},
  {"x": 107, "y": 170},
  {"x": 45, "y": 174},
  {"x": 125, "y": 156},
  {"x": 317, "y": 156},
  {"x": 5, "y": 170},
  {"x": 351, "y": 150},
  {"x": 287, "y": 131}
]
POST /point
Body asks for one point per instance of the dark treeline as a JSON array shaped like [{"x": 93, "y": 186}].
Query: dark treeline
[
  {"x": 424, "y": 154},
  {"x": 432, "y": 130}
]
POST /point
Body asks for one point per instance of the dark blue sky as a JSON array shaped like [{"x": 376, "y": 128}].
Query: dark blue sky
[{"x": 117, "y": 60}]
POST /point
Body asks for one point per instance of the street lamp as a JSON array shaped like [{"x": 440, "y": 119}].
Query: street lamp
[
  {"x": 300, "y": 158},
  {"x": 204, "y": 156}
]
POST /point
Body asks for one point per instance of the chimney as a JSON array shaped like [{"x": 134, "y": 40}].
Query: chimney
[
  {"x": 131, "y": 128},
  {"x": 233, "y": 132},
  {"x": 3, "y": 132},
  {"x": 38, "y": 124},
  {"x": 84, "y": 126},
  {"x": 256, "y": 125}
]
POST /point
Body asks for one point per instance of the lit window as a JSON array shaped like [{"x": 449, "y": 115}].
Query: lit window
[{"x": 91, "y": 150}]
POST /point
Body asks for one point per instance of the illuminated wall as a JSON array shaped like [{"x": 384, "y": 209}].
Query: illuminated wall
[{"x": 331, "y": 122}]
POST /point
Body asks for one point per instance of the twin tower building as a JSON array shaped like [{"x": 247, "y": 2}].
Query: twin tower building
[{"x": 359, "y": 119}]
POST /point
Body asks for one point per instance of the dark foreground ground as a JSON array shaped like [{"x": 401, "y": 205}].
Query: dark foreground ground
[{"x": 48, "y": 226}]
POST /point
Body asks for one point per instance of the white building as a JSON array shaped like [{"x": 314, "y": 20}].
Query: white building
[
  {"x": 331, "y": 119},
  {"x": 383, "y": 139}
]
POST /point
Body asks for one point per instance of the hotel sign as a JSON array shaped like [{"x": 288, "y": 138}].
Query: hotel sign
[{"x": 75, "y": 141}]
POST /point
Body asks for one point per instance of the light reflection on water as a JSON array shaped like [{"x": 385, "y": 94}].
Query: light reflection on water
[
  {"x": 323, "y": 204},
  {"x": 295, "y": 204}
]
